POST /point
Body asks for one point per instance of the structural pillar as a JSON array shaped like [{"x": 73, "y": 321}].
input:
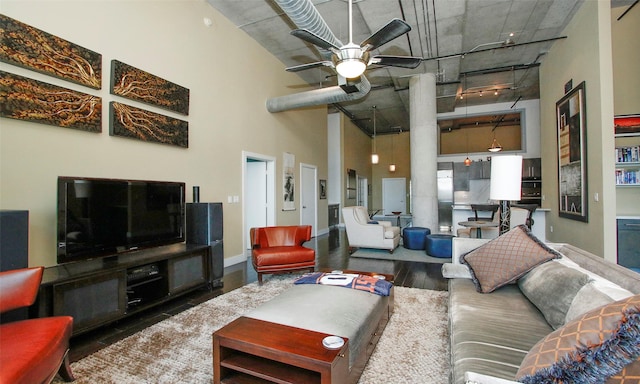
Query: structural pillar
[{"x": 424, "y": 151}]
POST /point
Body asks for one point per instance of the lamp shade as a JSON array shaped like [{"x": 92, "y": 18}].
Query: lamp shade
[{"x": 506, "y": 177}]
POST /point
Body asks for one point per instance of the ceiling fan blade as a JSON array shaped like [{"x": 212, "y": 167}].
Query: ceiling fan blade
[
  {"x": 302, "y": 67},
  {"x": 396, "y": 61},
  {"x": 314, "y": 39},
  {"x": 393, "y": 29}
]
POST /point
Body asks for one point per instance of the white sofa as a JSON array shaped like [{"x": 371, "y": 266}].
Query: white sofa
[{"x": 363, "y": 233}]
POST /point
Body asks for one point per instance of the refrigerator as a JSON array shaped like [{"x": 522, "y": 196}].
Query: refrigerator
[{"x": 445, "y": 199}]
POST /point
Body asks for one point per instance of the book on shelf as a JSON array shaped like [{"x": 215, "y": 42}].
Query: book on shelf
[
  {"x": 628, "y": 154},
  {"x": 627, "y": 177}
]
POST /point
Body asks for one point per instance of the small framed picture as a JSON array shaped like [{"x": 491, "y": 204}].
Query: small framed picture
[{"x": 323, "y": 189}]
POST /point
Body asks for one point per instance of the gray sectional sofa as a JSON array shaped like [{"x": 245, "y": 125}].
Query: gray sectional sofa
[{"x": 491, "y": 333}]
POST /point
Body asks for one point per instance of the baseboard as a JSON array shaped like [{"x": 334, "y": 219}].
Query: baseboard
[{"x": 233, "y": 260}]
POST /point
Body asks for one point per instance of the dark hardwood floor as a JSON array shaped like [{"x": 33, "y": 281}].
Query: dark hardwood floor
[{"x": 332, "y": 252}]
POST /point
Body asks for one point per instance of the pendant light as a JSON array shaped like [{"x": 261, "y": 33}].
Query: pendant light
[
  {"x": 392, "y": 166},
  {"x": 467, "y": 161},
  {"x": 495, "y": 146},
  {"x": 374, "y": 155}
]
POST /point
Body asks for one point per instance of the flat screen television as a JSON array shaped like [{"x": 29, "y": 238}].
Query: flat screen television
[{"x": 102, "y": 217}]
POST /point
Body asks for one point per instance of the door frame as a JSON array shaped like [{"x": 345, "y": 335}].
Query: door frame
[
  {"x": 314, "y": 183},
  {"x": 270, "y": 190}
]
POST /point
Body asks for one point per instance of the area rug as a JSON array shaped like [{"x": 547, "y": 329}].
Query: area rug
[
  {"x": 414, "y": 347},
  {"x": 400, "y": 253}
]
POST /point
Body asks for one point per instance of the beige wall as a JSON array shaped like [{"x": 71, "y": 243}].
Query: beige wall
[
  {"x": 626, "y": 90},
  {"x": 356, "y": 154},
  {"x": 584, "y": 56},
  {"x": 229, "y": 77}
]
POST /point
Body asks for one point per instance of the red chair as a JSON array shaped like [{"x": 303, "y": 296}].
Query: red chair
[
  {"x": 279, "y": 249},
  {"x": 33, "y": 350}
]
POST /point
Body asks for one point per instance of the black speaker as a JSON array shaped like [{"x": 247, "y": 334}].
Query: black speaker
[
  {"x": 204, "y": 223},
  {"x": 14, "y": 251},
  {"x": 14, "y": 240},
  {"x": 204, "y": 226},
  {"x": 216, "y": 269}
]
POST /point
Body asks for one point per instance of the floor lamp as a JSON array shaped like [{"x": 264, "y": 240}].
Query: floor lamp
[{"x": 506, "y": 185}]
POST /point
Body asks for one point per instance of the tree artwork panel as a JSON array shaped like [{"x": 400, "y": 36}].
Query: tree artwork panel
[
  {"x": 136, "y": 84},
  {"x": 26, "y": 99},
  {"x": 136, "y": 123},
  {"x": 31, "y": 48}
]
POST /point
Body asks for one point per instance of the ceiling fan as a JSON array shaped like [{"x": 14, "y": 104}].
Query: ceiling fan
[{"x": 351, "y": 60}]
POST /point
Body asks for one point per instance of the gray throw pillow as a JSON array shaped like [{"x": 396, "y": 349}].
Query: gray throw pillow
[{"x": 551, "y": 287}]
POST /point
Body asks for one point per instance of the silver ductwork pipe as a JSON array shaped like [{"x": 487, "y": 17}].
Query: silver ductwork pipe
[
  {"x": 320, "y": 96},
  {"x": 304, "y": 15}
]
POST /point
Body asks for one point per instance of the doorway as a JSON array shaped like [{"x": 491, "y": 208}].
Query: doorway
[
  {"x": 258, "y": 193},
  {"x": 363, "y": 192},
  {"x": 309, "y": 197},
  {"x": 394, "y": 192}
]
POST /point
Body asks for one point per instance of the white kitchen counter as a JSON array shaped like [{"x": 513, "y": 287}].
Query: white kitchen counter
[{"x": 461, "y": 212}]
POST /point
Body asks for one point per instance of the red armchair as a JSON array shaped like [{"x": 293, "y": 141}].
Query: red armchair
[
  {"x": 279, "y": 249},
  {"x": 33, "y": 350}
]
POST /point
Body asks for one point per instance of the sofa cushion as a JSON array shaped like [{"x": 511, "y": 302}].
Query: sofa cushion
[
  {"x": 593, "y": 295},
  {"x": 552, "y": 287},
  {"x": 506, "y": 258},
  {"x": 491, "y": 334},
  {"x": 600, "y": 346}
]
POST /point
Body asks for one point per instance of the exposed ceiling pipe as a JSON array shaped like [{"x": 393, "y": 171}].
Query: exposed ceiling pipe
[{"x": 305, "y": 16}]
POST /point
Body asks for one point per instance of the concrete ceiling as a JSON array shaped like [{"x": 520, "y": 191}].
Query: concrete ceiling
[{"x": 468, "y": 44}]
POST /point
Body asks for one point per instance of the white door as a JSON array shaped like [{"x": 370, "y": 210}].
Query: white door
[
  {"x": 258, "y": 193},
  {"x": 309, "y": 197},
  {"x": 394, "y": 192}
]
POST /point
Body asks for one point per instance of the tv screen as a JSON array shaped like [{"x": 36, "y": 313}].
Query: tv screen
[{"x": 101, "y": 217}]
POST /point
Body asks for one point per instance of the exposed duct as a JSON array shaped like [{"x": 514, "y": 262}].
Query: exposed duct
[{"x": 305, "y": 16}]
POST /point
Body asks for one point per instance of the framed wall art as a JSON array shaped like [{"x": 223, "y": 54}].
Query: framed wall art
[
  {"x": 323, "y": 189},
  {"x": 31, "y": 48},
  {"x": 136, "y": 84},
  {"x": 289, "y": 182},
  {"x": 36, "y": 101},
  {"x": 572, "y": 155},
  {"x": 136, "y": 123}
]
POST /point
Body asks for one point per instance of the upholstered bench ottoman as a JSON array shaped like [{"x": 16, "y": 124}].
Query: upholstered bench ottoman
[
  {"x": 415, "y": 237},
  {"x": 300, "y": 314},
  {"x": 439, "y": 245}
]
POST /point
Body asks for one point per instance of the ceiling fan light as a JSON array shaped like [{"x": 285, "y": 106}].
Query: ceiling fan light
[
  {"x": 495, "y": 146},
  {"x": 351, "y": 68}
]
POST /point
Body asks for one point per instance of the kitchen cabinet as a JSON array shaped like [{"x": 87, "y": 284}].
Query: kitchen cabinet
[
  {"x": 480, "y": 170},
  {"x": 532, "y": 169},
  {"x": 460, "y": 177}
]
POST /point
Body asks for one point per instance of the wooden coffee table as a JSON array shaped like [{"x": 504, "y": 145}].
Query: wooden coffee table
[{"x": 247, "y": 350}]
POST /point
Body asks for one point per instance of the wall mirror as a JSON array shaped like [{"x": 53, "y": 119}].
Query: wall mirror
[{"x": 475, "y": 133}]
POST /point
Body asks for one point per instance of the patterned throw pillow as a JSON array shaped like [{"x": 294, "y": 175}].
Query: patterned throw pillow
[
  {"x": 602, "y": 346},
  {"x": 506, "y": 258}
]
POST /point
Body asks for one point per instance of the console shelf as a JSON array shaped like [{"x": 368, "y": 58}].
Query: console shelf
[{"x": 99, "y": 291}]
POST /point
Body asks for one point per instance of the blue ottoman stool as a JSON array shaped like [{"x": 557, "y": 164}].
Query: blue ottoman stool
[
  {"x": 439, "y": 245},
  {"x": 415, "y": 237}
]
